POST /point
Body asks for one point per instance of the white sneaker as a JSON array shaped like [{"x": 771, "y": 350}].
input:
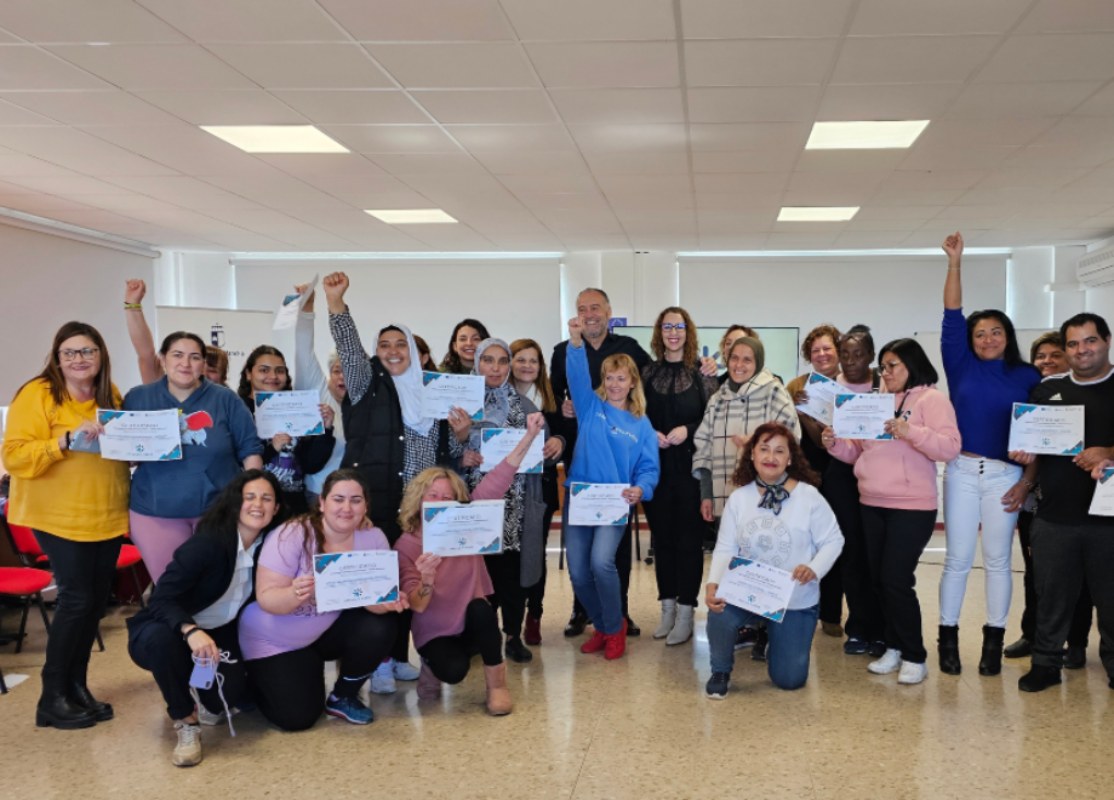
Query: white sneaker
[
  {"x": 912, "y": 673},
  {"x": 405, "y": 671},
  {"x": 187, "y": 752},
  {"x": 383, "y": 679},
  {"x": 889, "y": 662}
]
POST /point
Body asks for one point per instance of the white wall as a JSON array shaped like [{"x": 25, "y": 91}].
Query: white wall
[{"x": 50, "y": 280}]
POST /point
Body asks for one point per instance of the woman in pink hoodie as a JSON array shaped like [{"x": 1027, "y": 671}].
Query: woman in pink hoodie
[{"x": 897, "y": 483}]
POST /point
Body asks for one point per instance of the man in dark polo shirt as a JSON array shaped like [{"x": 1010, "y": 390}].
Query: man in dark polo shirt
[
  {"x": 1068, "y": 543},
  {"x": 594, "y": 310}
]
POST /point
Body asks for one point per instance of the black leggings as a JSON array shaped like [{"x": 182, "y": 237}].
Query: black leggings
[
  {"x": 290, "y": 686},
  {"x": 509, "y": 598},
  {"x": 450, "y": 656},
  {"x": 535, "y": 595},
  {"x": 677, "y": 531},
  {"x": 160, "y": 649}
]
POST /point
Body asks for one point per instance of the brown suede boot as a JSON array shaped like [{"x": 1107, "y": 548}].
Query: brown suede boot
[{"x": 498, "y": 695}]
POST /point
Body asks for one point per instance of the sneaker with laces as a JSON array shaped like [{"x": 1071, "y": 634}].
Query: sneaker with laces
[
  {"x": 854, "y": 646},
  {"x": 207, "y": 717},
  {"x": 187, "y": 752},
  {"x": 383, "y": 679},
  {"x": 349, "y": 709},
  {"x": 404, "y": 670},
  {"x": 889, "y": 662},
  {"x": 912, "y": 673},
  {"x": 718, "y": 685}
]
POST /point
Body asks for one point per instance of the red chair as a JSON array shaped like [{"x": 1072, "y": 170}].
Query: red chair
[
  {"x": 27, "y": 584},
  {"x": 128, "y": 559}
]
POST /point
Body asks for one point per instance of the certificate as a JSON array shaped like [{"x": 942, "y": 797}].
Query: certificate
[
  {"x": 1046, "y": 430},
  {"x": 1102, "y": 504},
  {"x": 757, "y": 587},
  {"x": 463, "y": 529},
  {"x": 140, "y": 435},
  {"x": 355, "y": 579},
  {"x": 497, "y": 443},
  {"x": 862, "y": 416},
  {"x": 598, "y": 504},
  {"x": 287, "y": 315},
  {"x": 293, "y": 413},
  {"x": 822, "y": 393},
  {"x": 442, "y": 391}
]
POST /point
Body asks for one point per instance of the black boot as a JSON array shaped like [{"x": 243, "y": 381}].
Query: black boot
[
  {"x": 81, "y": 697},
  {"x": 991, "y": 661},
  {"x": 948, "y": 647},
  {"x": 1039, "y": 678},
  {"x": 1022, "y": 648},
  {"x": 55, "y": 710},
  {"x": 516, "y": 651}
]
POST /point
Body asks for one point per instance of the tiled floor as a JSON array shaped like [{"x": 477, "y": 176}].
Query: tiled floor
[{"x": 584, "y": 728}]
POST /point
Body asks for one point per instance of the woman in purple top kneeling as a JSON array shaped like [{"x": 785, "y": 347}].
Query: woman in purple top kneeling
[
  {"x": 286, "y": 640},
  {"x": 452, "y": 617}
]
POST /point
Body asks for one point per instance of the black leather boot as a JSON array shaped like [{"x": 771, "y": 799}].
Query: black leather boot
[
  {"x": 948, "y": 647},
  {"x": 1039, "y": 678},
  {"x": 54, "y": 710},
  {"x": 991, "y": 661},
  {"x": 81, "y": 697}
]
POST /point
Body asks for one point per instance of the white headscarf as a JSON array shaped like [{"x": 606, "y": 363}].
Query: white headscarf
[{"x": 409, "y": 388}]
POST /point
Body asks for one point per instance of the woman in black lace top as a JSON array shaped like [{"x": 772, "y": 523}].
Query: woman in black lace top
[{"x": 676, "y": 395}]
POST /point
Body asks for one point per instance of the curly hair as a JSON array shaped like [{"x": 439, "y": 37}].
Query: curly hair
[
  {"x": 451, "y": 363},
  {"x": 827, "y": 329},
  {"x": 799, "y": 468},
  {"x": 692, "y": 345}
]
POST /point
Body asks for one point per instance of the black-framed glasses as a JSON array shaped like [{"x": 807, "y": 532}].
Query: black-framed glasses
[
  {"x": 86, "y": 353},
  {"x": 669, "y": 327}
]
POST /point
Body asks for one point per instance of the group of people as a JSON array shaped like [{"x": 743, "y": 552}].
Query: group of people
[{"x": 229, "y": 531}]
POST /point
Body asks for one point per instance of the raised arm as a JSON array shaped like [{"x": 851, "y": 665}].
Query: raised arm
[
  {"x": 143, "y": 342},
  {"x": 353, "y": 359},
  {"x": 307, "y": 370},
  {"x": 953, "y": 284},
  {"x": 576, "y": 367}
]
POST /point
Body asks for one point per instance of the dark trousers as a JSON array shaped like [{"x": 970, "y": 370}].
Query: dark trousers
[
  {"x": 161, "y": 651},
  {"x": 290, "y": 687},
  {"x": 535, "y": 595},
  {"x": 509, "y": 599},
  {"x": 450, "y": 656},
  {"x": 831, "y": 585},
  {"x": 84, "y": 572},
  {"x": 1080, "y": 621},
  {"x": 677, "y": 531},
  {"x": 1063, "y": 557},
  {"x": 864, "y": 612},
  {"x": 895, "y": 539},
  {"x": 622, "y": 565}
]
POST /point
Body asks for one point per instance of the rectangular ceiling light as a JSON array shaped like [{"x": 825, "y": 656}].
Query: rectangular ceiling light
[
  {"x": 276, "y": 138},
  {"x": 865, "y": 135},
  {"x": 409, "y": 216},
  {"x": 817, "y": 213}
]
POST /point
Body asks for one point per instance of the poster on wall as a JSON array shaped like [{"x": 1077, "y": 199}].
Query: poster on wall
[{"x": 236, "y": 332}]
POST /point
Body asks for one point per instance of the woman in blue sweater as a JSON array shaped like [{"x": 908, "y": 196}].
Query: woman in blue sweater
[
  {"x": 986, "y": 376},
  {"x": 616, "y": 444}
]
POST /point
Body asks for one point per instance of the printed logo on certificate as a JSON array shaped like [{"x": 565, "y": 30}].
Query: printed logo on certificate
[
  {"x": 822, "y": 392},
  {"x": 463, "y": 529},
  {"x": 138, "y": 435},
  {"x": 443, "y": 391},
  {"x": 355, "y": 579},
  {"x": 757, "y": 587},
  {"x": 598, "y": 504},
  {"x": 497, "y": 443},
  {"x": 862, "y": 416},
  {"x": 296, "y": 414},
  {"x": 1046, "y": 430}
]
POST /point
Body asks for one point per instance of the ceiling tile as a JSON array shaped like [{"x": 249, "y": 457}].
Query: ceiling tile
[
  {"x": 238, "y": 107},
  {"x": 82, "y": 152},
  {"x": 572, "y": 20},
  {"x": 653, "y": 162},
  {"x": 527, "y": 163},
  {"x": 885, "y": 102},
  {"x": 421, "y": 20},
  {"x": 304, "y": 66},
  {"x": 767, "y": 62},
  {"x": 629, "y": 138},
  {"x": 744, "y": 161},
  {"x": 908, "y": 59},
  {"x": 1051, "y": 57},
  {"x": 26, "y": 68},
  {"x": 392, "y": 138},
  {"x": 83, "y": 21},
  {"x": 960, "y": 133},
  {"x": 456, "y": 66},
  {"x": 1068, "y": 16},
  {"x": 511, "y": 138},
  {"x": 429, "y": 164},
  {"x": 1099, "y": 104},
  {"x": 509, "y": 106},
  {"x": 148, "y": 66},
  {"x": 754, "y": 104},
  {"x": 15, "y": 112},
  {"x": 248, "y": 20},
  {"x": 606, "y": 64},
  {"x": 902, "y": 17},
  {"x": 619, "y": 106},
  {"x": 353, "y": 106},
  {"x": 1032, "y": 99},
  {"x": 752, "y": 19},
  {"x": 91, "y": 108},
  {"x": 774, "y": 136}
]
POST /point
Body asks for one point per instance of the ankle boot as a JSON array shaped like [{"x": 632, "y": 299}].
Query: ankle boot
[
  {"x": 498, "y": 695},
  {"x": 682, "y": 629},
  {"x": 668, "y": 618},
  {"x": 991, "y": 661},
  {"x": 55, "y": 710},
  {"x": 948, "y": 647},
  {"x": 1039, "y": 678},
  {"x": 81, "y": 697}
]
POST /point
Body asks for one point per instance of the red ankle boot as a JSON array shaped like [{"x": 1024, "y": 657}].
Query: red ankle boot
[{"x": 533, "y": 632}]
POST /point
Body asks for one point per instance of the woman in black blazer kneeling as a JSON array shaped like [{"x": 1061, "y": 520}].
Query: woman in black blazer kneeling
[{"x": 193, "y": 612}]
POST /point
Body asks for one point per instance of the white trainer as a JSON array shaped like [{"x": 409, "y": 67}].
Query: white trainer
[
  {"x": 383, "y": 679},
  {"x": 912, "y": 673},
  {"x": 405, "y": 671},
  {"x": 889, "y": 662},
  {"x": 187, "y": 752}
]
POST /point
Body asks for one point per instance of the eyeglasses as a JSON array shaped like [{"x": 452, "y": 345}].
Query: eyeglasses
[
  {"x": 890, "y": 367},
  {"x": 668, "y": 327},
  {"x": 86, "y": 353}
]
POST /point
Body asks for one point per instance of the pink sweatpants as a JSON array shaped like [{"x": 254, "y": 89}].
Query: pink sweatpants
[{"x": 157, "y": 538}]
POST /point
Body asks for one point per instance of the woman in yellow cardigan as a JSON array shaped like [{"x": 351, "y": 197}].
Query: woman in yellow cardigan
[{"x": 77, "y": 504}]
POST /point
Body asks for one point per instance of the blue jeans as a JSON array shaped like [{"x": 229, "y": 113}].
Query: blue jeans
[
  {"x": 591, "y": 552},
  {"x": 787, "y": 656}
]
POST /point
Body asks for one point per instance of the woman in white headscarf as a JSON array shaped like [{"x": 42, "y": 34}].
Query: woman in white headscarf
[
  {"x": 388, "y": 441},
  {"x": 519, "y": 566}
]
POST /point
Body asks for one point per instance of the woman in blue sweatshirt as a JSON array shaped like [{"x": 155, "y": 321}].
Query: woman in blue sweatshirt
[{"x": 616, "y": 444}]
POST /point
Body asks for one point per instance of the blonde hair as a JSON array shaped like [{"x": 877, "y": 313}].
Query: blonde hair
[
  {"x": 541, "y": 383},
  {"x": 617, "y": 363},
  {"x": 410, "y": 512}
]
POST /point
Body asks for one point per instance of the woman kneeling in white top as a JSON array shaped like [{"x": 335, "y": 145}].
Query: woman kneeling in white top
[{"x": 776, "y": 517}]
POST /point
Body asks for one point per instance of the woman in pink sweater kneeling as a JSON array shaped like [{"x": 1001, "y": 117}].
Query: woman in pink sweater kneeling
[
  {"x": 897, "y": 483},
  {"x": 452, "y": 617}
]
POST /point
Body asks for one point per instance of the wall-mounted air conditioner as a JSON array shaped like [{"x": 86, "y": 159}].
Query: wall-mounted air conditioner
[{"x": 1096, "y": 269}]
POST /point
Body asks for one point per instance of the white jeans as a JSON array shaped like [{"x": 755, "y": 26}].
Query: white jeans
[{"x": 973, "y": 489}]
